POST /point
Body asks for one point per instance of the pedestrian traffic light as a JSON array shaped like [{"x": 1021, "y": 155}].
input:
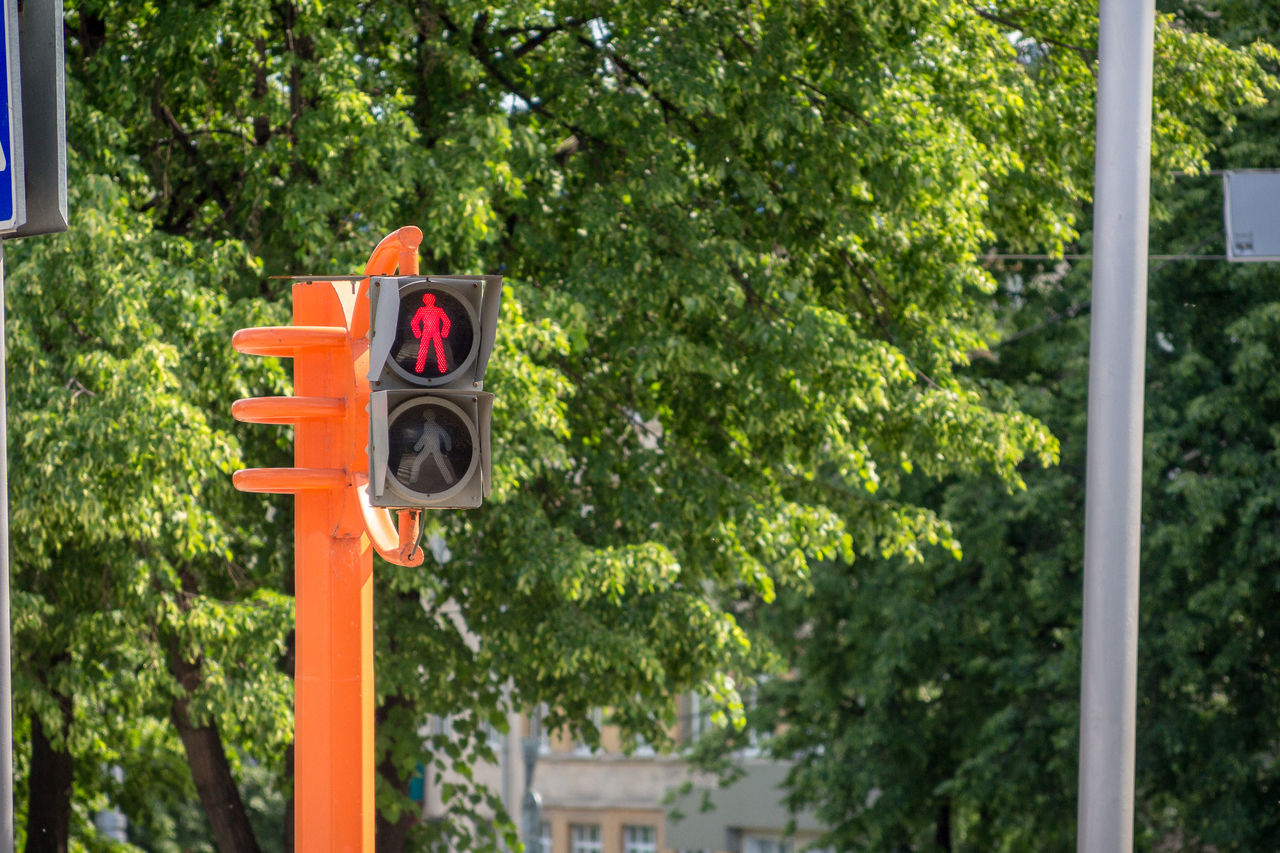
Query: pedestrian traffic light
[{"x": 430, "y": 338}]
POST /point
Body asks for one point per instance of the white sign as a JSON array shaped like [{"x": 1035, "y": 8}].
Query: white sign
[{"x": 1252, "y": 202}]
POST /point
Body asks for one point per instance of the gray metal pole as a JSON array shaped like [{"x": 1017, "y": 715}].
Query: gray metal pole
[
  {"x": 6, "y": 682},
  {"x": 531, "y": 806},
  {"x": 1113, "y": 488}
]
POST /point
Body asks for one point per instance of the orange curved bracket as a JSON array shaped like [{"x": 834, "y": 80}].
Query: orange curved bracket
[
  {"x": 397, "y": 544},
  {"x": 396, "y": 251},
  {"x": 410, "y": 527},
  {"x": 399, "y": 249},
  {"x": 394, "y": 544}
]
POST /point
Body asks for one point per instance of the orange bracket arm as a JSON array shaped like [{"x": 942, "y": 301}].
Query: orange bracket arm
[
  {"x": 286, "y": 410},
  {"x": 397, "y": 249},
  {"x": 397, "y": 546},
  {"x": 285, "y": 481},
  {"x": 284, "y": 340}
]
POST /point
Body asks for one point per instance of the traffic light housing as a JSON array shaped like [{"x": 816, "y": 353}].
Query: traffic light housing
[{"x": 430, "y": 338}]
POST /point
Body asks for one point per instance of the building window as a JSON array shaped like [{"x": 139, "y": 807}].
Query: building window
[
  {"x": 538, "y": 730},
  {"x": 494, "y": 737},
  {"x": 639, "y": 839},
  {"x": 699, "y": 719},
  {"x": 585, "y": 838},
  {"x": 643, "y": 747},
  {"x": 750, "y": 702},
  {"x": 581, "y": 747},
  {"x": 756, "y": 844},
  {"x": 544, "y": 837}
]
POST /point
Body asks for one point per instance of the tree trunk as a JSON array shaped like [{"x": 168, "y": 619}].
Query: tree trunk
[
  {"x": 209, "y": 766},
  {"x": 288, "y": 665},
  {"x": 942, "y": 834},
  {"x": 392, "y": 837},
  {"x": 288, "y": 804},
  {"x": 49, "y": 787},
  {"x": 390, "y": 719}
]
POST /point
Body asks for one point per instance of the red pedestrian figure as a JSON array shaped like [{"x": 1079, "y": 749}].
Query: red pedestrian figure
[{"x": 430, "y": 326}]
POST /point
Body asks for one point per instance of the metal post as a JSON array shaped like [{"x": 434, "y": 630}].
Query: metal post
[
  {"x": 531, "y": 805},
  {"x": 1113, "y": 489},
  {"x": 333, "y": 599},
  {"x": 6, "y": 681}
]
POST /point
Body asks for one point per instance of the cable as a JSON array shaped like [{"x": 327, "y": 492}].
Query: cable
[{"x": 996, "y": 256}]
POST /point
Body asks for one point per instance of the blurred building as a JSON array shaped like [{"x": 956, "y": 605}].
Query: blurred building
[{"x": 606, "y": 801}]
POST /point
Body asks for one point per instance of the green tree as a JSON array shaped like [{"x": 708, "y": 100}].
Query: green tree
[
  {"x": 941, "y": 708},
  {"x": 119, "y": 478},
  {"x": 1209, "y": 637},
  {"x": 742, "y": 241}
]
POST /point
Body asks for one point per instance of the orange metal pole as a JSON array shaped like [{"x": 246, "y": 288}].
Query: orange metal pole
[{"x": 333, "y": 678}]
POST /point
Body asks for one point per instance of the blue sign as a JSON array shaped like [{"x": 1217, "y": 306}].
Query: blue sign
[{"x": 12, "y": 213}]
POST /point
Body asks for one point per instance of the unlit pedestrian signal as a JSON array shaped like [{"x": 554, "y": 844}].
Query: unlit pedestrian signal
[{"x": 429, "y": 343}]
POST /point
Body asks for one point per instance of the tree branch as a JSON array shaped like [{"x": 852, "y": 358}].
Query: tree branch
[
  {"x": 754, "y": 296},
  {"x": 477, "y": 49},
  {"x": 850, "y": 111},
  {"x": 1088, "y": 57},
  {"x": 541, "y": 34},
  {"x": 206, "y": 757},
  {"x": 639, "y": 79}
]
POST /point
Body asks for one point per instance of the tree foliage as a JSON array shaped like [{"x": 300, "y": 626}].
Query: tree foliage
[
  {"x": 742, "y": 247},
  {"x": 941, "y": 708}
]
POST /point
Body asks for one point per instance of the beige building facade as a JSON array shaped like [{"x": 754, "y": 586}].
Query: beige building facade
[{"x": 607, "y": 801}]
